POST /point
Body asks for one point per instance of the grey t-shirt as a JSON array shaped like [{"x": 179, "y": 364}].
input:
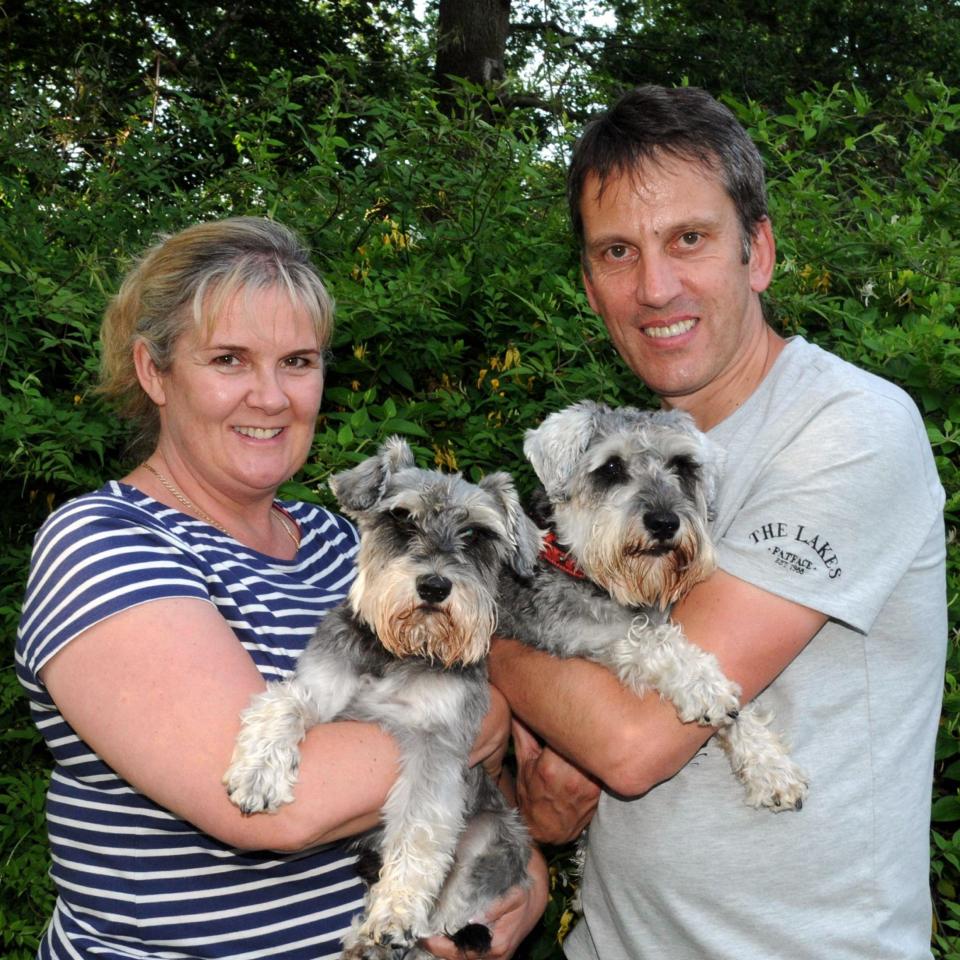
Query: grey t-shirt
[{"x": 829, "y": 498}]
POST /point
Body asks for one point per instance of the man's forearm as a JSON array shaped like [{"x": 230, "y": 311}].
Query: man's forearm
[{"x": 583, "y": 712}]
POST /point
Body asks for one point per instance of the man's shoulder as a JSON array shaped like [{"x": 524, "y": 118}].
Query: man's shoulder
[{"x": 823, "y": 377}]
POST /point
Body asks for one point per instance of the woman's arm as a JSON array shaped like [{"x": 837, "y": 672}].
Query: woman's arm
[{"x": 157, "y": 691}]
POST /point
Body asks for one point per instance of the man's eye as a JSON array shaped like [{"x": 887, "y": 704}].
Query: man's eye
[
  {"x": 691, "y": 238},
  {"x": 617, "y": 252}
]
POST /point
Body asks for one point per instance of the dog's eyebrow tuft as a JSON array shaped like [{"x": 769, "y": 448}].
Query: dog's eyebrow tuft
[{"x": 683, "y": 463}]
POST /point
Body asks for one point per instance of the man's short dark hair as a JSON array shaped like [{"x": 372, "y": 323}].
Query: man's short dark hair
[{"x": 651, "y": 122}]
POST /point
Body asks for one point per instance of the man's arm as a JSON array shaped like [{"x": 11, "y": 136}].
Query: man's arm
[{"x": 632, "y": 743}]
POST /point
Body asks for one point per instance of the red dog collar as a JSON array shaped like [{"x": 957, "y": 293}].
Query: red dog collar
[{"x": 559, "y": 558}]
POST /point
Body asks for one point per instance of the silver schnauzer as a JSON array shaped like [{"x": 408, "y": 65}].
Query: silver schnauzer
[
  {"x": 628, "y": 495},
  {"x": 407, "y": 651}
]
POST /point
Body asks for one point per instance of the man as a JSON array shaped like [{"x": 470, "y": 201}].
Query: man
[{"x": 829, "y": 600}]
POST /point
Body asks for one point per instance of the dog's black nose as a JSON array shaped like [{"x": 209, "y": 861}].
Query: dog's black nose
[
  {"x": 662, "y": 524},
  {"x": 433, "y": 588}
]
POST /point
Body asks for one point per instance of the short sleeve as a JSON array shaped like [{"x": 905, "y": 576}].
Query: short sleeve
[
  {"x": 94, "y": 558},
  {"x": 836, "y": 516}
]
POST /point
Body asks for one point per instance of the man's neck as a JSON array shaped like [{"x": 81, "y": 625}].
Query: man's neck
[{"x": 720, "y": 398}]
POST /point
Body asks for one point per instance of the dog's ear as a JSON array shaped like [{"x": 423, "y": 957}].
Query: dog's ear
[
  {"x": 361, "y": 487},
  {"x": 554, "y": 447},
  {"x": 525, "y": 538}
]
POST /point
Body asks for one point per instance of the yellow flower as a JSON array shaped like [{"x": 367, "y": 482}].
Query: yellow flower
[
  {"x": 482, "y": 377},
  {"x": 444, "y": 458},
  {"x": 77, "y": 399},
  {"x": 564, "y": 927},
  {"x": 360, "y": 351},
  {"x": 511, "y": 358}
]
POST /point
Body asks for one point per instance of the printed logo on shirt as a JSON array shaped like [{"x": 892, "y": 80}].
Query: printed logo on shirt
[{"x": 798, "y": 549}]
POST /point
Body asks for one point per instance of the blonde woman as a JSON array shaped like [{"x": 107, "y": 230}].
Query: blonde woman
[{"x": 159, "y": 604}]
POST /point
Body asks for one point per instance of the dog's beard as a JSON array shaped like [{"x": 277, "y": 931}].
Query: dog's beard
[
  {"x": 636, "y": 570},
  {"x": 456, "y": 631}
]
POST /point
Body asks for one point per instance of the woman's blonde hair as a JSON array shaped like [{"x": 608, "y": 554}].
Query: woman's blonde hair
[{"x": 185, "y": 280}]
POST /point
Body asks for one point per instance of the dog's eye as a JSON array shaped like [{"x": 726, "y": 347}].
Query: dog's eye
[
  {"x": 611, "y": 473},
  {"x": 684, "y": 466},
  {"x": 474, "y": 536},
  {"x": 403, "y": 522}
]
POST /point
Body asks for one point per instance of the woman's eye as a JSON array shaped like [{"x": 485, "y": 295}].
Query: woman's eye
[{"x": 226, "y": 360}]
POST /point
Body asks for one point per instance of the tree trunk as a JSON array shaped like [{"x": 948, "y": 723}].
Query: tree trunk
[{"x": 471, "y": 41}]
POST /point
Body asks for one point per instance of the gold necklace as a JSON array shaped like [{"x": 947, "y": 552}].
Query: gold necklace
[
  {"x": 287, "y": 525},
  {"x": 190, "y": 505}
]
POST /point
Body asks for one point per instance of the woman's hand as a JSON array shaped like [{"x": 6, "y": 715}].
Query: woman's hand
[
  {"x": 510, "y": 919},
  {"x": 490, "y": 746},
  {"x": 556, "y": 798}
]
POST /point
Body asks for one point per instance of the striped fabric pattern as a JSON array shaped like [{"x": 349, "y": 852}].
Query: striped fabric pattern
[{"x": 134, "y": 881}]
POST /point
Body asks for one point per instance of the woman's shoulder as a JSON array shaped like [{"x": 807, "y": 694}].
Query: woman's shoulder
[
  {"x": 114, "y": 499},
  {"x": 322, "y": 528}
]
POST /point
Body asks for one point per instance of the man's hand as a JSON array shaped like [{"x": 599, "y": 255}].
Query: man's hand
[
  {"x": 510, "y": 919},
  {"x": 557, "y": 799}
]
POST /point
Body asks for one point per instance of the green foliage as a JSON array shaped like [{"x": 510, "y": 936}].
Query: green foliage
[
  {"x": 461, "y": 318},
  {"x": 768, "y": 51}
]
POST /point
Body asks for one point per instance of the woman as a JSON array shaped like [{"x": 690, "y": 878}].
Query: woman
[{"x": 158, "y": 605}]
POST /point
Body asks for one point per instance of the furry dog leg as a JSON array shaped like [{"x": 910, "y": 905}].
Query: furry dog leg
[
  {"x": 424, "y": 814},
  {"x": 659, "y": 656},
  {"x": 761, "y": 762},
  {"x": 266, "y": 756}
]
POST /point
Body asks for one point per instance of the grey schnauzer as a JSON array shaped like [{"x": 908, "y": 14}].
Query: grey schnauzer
[
  {"x": 407, "y": 651},
  {"x": 627, "y": 497}
]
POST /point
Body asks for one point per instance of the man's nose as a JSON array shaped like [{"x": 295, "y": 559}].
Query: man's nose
[{"x": 658, "y": 280}]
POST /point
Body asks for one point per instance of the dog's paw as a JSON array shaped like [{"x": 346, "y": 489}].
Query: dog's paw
[
  {"x": 364, "y": 950},
  {"x": 384, "y": 944},
  {"x": 775, "y": 782},
  {"x": 711, "y": 704},
  {"x": 257, "y": 787}
]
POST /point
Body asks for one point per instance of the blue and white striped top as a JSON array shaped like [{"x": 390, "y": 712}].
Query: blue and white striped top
[{"x": 133, "y": 880}]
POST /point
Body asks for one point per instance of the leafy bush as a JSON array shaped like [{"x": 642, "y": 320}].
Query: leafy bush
[{"x": 461, "y": 319}]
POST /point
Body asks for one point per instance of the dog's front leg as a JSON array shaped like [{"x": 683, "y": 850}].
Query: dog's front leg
[
  {"x": 266, "y": 756},
  {"x": 659, "y": 656},
  {"x": 423, "y": 815},
  {"x": 760, "y": 760}
]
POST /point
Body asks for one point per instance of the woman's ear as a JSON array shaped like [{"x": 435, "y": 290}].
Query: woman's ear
[{"x": 148, "y": 373}]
